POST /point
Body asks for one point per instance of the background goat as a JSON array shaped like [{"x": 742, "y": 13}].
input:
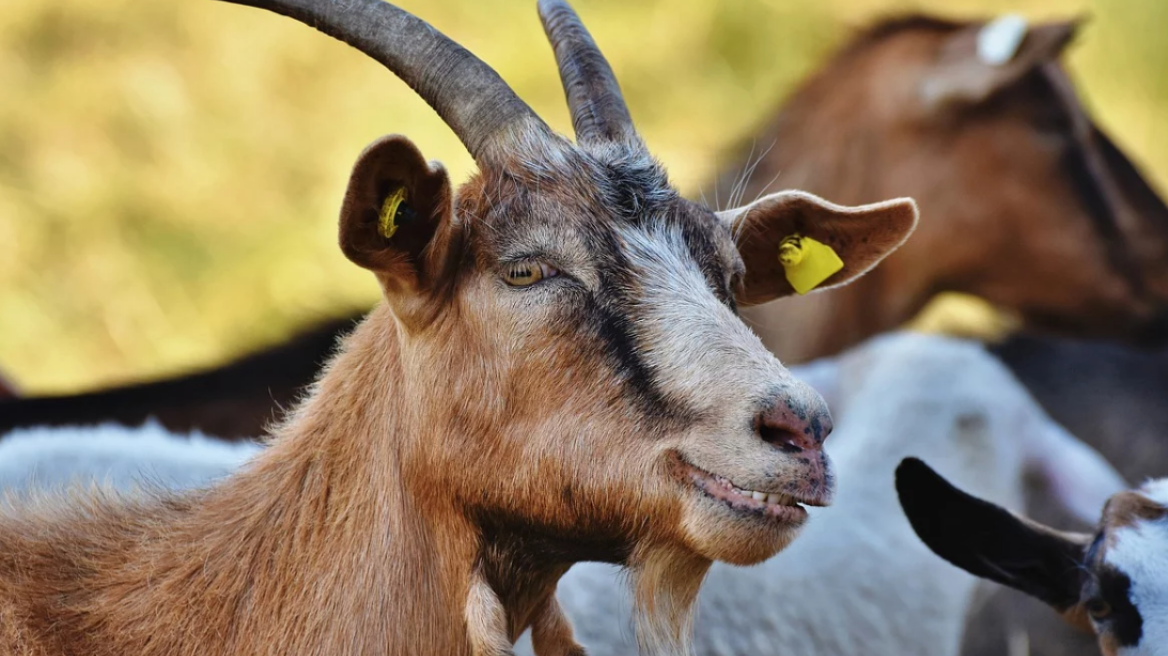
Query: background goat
[
  {"x": 115, "y": 456},
  {"x": 1026, "y": 202},
  {"x": 1114, "y": 581},
  {"x": 1111, "y": 395}
]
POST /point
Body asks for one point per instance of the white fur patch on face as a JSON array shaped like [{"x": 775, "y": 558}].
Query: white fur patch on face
[
  {"x": 1141, "y": 552},
  {"x": 699, "y": 350},
  {"x": 1156, "y": 490},
  {"x": 998, "y": 41}
]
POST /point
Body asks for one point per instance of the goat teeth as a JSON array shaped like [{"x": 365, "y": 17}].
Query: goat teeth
[
  {"x": 758, "y": 496},
  {"x": 775, "y": 499}
]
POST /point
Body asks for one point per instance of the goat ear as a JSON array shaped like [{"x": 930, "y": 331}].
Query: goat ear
[
  {"x": 859, "y": 236},
  {"x": 976, "y": 62},
  {"x": 395, "y": 220},
  {"x": 990, "y": 542}
]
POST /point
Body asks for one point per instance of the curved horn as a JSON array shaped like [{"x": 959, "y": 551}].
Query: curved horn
[
  {"x": 598, "y": 109},
  {"x": 469, "y": 95}
]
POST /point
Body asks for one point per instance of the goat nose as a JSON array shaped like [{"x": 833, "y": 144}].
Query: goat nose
[{"x": 792, "y": 426}]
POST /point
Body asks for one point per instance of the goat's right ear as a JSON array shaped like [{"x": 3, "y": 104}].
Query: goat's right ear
[
  {"x": 395, "y": 220},
  {"x": 858, "y": 236},
  {"x": 990, "y": 542}
]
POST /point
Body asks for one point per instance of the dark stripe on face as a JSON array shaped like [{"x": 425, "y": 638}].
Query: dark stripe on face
[
  {"x": 1125, "y": 622},
  {"x": 1112, "y": 586},
  {"x": 611, "y": 316}
]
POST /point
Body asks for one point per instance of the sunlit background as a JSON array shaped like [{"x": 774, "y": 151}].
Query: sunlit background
[{"x": 170, "y": 171}]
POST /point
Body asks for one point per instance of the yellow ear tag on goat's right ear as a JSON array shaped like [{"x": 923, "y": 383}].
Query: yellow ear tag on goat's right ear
[
  {"x": 807, "y": 262},
  {"x": 387, "y": 219}
]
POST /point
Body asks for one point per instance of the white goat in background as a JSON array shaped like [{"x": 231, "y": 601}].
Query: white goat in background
[{"x": 113, "y": 455}]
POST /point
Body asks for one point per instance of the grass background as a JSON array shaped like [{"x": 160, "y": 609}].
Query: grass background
[{"x": 170, "y": 171}]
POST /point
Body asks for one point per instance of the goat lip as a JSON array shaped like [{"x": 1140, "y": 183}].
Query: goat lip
[{"x": 780, "y": 507}]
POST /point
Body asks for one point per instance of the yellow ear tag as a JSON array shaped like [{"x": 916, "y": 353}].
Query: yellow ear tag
[
  {"x": 387, "y": 219},
  {"x": 807, "y": 262}
]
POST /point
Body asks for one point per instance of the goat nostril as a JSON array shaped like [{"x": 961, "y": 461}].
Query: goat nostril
[{"x": 785, "y": 438}]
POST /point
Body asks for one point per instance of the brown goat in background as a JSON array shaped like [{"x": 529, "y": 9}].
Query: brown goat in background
[
  {"x": 1025, "y": 202},
  {"x": 557, "y": 373}
]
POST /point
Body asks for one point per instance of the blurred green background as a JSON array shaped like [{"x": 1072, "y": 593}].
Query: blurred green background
[{"x": 170, "y": 172}]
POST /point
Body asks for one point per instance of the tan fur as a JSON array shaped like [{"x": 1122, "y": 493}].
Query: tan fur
[
  {"x": 329, "y": 543},
  {"x": 1001, "y": 217}
]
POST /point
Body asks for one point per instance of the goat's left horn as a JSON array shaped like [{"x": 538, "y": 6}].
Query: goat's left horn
[{"x": 598, "y": 109}]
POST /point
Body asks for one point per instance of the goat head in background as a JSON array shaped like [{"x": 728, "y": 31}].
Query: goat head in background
[
  {"x": 1114, "y": 582},
  {"x": 1027, "y": 202},
  {"x": 557, "y": 373}
]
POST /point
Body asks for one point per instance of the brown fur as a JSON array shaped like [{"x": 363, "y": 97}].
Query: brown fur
[
  {"x": 1128, "y": 508},
  {"x": 1025, "y": 203}
]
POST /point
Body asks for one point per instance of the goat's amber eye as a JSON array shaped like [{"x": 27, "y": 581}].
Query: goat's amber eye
[
  {"x": 522, "y": 274},
  {"x": 1098, "y": 609}
]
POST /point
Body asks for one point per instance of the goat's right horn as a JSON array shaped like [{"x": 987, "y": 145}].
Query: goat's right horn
[
  {"x": 598, "y": 109},
  {"x": 467, "y": 93}
]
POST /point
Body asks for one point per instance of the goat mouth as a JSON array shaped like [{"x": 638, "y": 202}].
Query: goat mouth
[{"x": 776, "y": 506}]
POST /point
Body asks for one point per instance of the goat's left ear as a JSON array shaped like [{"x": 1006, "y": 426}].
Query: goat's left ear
[
  {"x": 859, "y": 236},
  {"x": 990, "y": 542},
  {"x": 396, "y": 222}
]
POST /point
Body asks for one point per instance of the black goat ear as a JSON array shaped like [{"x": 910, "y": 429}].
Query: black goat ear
[{"x": 990, "y": 542}]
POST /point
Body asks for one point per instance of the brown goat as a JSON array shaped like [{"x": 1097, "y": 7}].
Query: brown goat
[
  {"x": 557, "y": 373},
  {"x": 1027, "y": 203}
]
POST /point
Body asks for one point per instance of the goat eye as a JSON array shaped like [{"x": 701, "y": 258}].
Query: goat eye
[
  {"x": 1098, "y": 609},
  {"x": 524, "y": 274}
]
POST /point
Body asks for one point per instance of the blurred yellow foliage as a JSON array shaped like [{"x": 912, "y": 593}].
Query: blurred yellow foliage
[{"x": 170, "y": 171}]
